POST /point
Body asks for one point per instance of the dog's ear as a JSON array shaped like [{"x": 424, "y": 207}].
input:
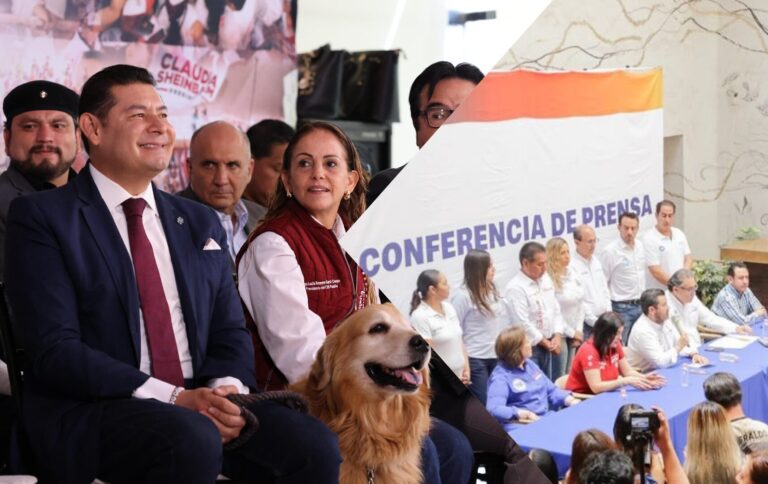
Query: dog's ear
[{"x": 322, "y": 369}]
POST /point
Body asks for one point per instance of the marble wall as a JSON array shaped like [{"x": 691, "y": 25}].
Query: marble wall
[{"x": 715, "y": 60}]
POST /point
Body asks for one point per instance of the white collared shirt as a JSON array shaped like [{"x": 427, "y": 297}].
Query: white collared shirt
[
  {"x": 667, "y": 252},
  {"x": 596, "y": 295},
  {"x": 687, "y": 318},
  {"x": 624, "y": 268},
  {"x": 534, "y": 305},
  {"x": 480, "y": 329},
  {"x": 114, "y": 195},
  {"x": 571, "y": 298},
  {"x": 652, "y": 345},
  {"x": 236, "y": 235},
  {"x": 444, "y": 330},
  {"x": 272, "y": 287}
]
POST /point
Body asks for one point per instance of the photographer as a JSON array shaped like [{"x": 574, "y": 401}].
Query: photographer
[{"x": 636, "y": 431}]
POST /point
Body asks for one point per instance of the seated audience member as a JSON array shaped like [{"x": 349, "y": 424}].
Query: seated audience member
[
  {"x": 435, "y": 319},
  {"x": 546, "y": 464},
  {"x": 533, "y": 304},
  {"x": 284, "y": 268},
  {"x": 586, "y": 443},
  {"x": 687, "y": 312},
  {"x": 517, "y": 389},
  {"x": 755, "y": 469},
  {"x": 570, "y": 295},
  {"x": 220, "y": 166},
  {"x": 600, "y": 365},
  {"x": 623, "y": 262},
  {"x": 666, "y": 247},
  {"x": 664, "y": 465},
  {"x": 590, "y": 271},
  {"x": 724, "y": 389},
  {"x": 736, "y": 301},
  {"x": 483, "y": 313},
  {"x": 268, "y": 139},
  {"x": 607, "y": 467},
  {"x": 141, "y": 336},
  {"x": 711, "y": 453},
  {"x": 655, "y": 342}
]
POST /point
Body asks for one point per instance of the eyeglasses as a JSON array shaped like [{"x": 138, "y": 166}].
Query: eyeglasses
[
  {"x": 689, "y": 289},
  {"x": 436, "y": 115}
]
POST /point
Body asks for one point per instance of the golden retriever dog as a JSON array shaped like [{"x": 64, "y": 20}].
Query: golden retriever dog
[{"x": 369, "y": 384}]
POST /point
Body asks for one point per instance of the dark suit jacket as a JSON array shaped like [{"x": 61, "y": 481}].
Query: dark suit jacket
[
  {"x": 73, "y": 292},
  {"x": 12, "y": 185}
]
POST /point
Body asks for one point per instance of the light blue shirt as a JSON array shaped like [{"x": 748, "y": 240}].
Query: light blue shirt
[
  {"x": 236, "y": 234},
  {"x": 736, "y": 306}
]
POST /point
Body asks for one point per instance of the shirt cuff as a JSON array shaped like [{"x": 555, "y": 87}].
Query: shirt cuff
[
  {"x": 229, "y": 380},
  {"x": 154, "y": 388}
]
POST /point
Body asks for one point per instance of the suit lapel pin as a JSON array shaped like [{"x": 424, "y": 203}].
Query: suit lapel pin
[{"x": 180, "y": 220}]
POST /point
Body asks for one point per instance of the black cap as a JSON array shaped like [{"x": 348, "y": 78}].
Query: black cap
[{"x": 40, "y": 95}]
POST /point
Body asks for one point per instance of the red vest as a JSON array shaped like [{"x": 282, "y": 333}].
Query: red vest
[{"x": 336, "y": 287}]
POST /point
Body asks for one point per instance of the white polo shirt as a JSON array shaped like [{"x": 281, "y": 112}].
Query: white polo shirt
[{"x": 667, "y": 252}]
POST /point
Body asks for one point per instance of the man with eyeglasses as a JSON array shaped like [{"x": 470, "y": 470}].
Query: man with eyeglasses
[
  {"x": 687, "y": 312},
  {"x": 590, "y": 272},
  {"x": 435, "y": 94}
]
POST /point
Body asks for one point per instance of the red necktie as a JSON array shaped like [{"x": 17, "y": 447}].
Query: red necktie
[{"x": 157, "y": 317}]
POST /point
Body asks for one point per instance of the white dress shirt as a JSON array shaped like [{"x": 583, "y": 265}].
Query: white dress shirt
[
  {"x": 596, "y": 295},
  {"x": 667, "y": 252},
  {"x": 624, "y": 269},
  {"x": 114, "y": 195},
  {"x": 480, "y": 330},
  {"x": 444, "y": 330},
  {"x": 534, "y": 305},
  {"x": 652, "y": 345},
  {"x": 236, "y": 235},
  {"x": 271, "y": 285},
  {"x": 687, "y": 317},
  {"x": 571, "y": 298}
]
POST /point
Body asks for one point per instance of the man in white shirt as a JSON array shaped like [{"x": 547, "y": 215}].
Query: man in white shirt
[
  {"x": 531, "y": 296},
  {"x": 589, "y": 270},
  {"x": 220, "y": 167},
  {"x": 666, "y": 247},
  {"x": 140, "y": 336},
  {"x": 687, "y": 313},
  {"x": 654, "y": 342},
  {"x": 623, "y": 262}
]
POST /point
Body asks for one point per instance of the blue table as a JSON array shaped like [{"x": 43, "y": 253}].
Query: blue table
[{"x": 556, "y": 431}]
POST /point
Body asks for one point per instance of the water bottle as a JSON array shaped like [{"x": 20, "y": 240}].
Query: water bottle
[
  {"x": 623, "y": 392},
  {"x": 684, "y": 375}
]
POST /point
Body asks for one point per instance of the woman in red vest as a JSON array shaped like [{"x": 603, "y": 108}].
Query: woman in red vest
[{"x": 295, "y": 280}]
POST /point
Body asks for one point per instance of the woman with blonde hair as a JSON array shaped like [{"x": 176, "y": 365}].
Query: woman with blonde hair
[
  {"x": 570, "y": 294},
  {"x": 518, "y": 390},
  {"x": 483, "y": 313},
  {"x": 436, "y": 321},
  {"x": 712, "y": 455}
]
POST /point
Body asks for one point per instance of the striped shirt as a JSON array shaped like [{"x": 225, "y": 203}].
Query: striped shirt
[{"x": 735, "y": 306}]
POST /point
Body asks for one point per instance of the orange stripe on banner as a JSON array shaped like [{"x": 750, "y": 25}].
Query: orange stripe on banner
[{"x": 530, "y": 94}]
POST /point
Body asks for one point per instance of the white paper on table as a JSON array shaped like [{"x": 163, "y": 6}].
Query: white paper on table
[{"x": 733, "y": 342}]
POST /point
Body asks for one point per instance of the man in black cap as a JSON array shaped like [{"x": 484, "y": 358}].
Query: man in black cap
[{"x": 41, "y": 140}]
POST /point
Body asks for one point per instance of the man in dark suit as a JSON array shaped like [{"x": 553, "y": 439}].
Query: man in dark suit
[
  {"x": 41, "y": 139},
  {"x": 220, "y": 167},
  {"x": 132, "y": 325}
]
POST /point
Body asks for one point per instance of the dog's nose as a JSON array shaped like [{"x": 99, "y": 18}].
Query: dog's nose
[{"x": 418, "y": 343}]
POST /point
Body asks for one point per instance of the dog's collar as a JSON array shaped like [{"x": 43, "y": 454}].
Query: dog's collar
[{"x": 371, "y": 475}]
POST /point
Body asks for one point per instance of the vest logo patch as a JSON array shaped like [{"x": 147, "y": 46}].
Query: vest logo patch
[
  {"x": 518, "y": 385},
  {"x": 322, "y": 285}
]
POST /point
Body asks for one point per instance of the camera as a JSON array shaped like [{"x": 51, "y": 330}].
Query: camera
[{"x": 643, "y": 422}]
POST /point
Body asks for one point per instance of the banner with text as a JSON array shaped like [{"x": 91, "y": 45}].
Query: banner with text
[{"x": 528, "y": 156}]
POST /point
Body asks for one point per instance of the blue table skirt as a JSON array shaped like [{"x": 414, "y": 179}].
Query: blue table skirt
[{"x": 555, "y": 432}]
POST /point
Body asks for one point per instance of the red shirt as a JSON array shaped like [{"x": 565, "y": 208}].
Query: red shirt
[{"x": 587, "y": 358}]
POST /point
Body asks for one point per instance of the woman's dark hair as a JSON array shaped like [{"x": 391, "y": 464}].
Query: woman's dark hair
[
  {"x": 481, "y": 291},
  {"x": 546, "y": 464},
  {"x": 604, "y": 332},
  {"x": 350, "y": 210},
  {"x": 622, "y": 431},
  {"x": 586, "y": 443},
  {"x": 426, "y": 279}
]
